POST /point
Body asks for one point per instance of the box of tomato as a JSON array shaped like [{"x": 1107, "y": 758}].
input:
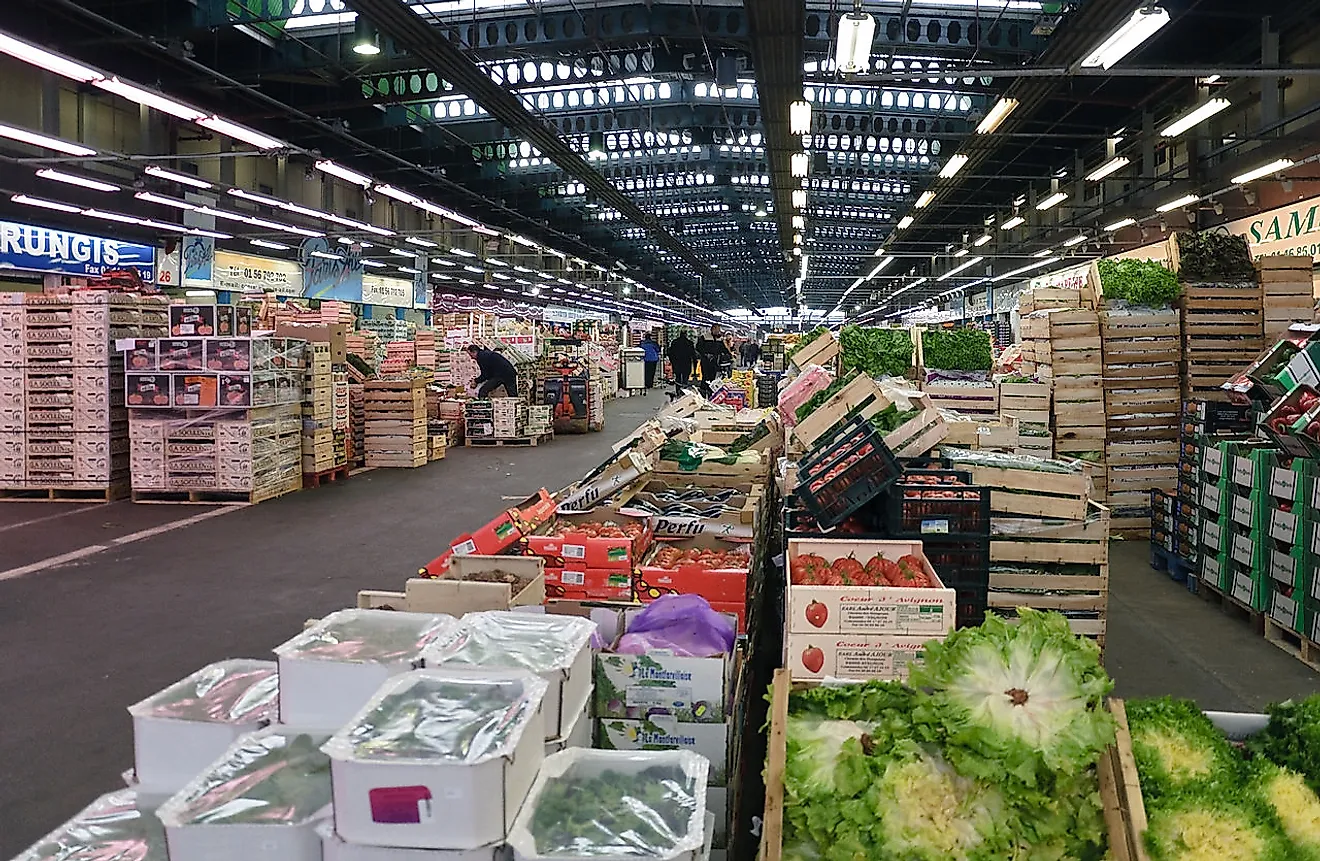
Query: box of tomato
[
  {"x": 705, "y": 565},
  {"x": 837, "y": 586},
  {"x": 606, "y": 540}
]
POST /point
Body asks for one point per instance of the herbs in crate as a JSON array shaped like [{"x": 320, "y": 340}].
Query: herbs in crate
[
  {"x": 1139, "y": 282},
  {"x": 957, "y": 350},
  {"x": 1214, "y": 257},
  {"x": 876, "y": 352}
]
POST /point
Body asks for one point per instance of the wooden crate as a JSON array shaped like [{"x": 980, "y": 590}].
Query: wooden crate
[
  {"x": 1044, "y": 298},
  {"x": 822, "y": 351},
  {"x": 861, "y": 395},
  {"x": 1288, "y": 292},
  {"x": 967, "y": 399},
  {"x": 1052, "y": 540},
  {"x": 1030, "y": 493},
  {"x": 919, "y": 435},
  {"x": 1120, "y": 793}
]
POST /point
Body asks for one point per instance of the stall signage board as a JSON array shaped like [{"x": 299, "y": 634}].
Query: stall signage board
[
  {"x": 1064, "y": 279},
  {"x": 241, "y": 273},
  {"x": 42, "y": 249},
  {"x": 330, "y": 274},
  {"x": 389, "y": 292},
  {"x": 1293, "y": 229}
]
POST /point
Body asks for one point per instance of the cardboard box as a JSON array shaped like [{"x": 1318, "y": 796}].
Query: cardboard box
[
  {"x": 140, "y": 356},
  {"x": 589, "y": 584},
  {"x": 235, "y": 390},
  {"x": 192, "y": 320},
  {"x": 852, "y": 656},
  {"x": 711, "y": 740},
  {"x": 228, "y": 354},
  {"x": 148, "y": 390},
  {"x": 195, "y": 390},
  {"x": 335, "y": 848},
  {"x": 867, "y": 609},
  {"x": 572, "y": 547},
  {"x": 459, "y": 589},
  {"x": 690, "y": 690},
  {"x": 334, "y": 334},
  {"x": 181, "y": 354}
]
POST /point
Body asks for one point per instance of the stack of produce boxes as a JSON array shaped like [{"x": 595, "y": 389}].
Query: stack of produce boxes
[
  {"x": 1287, "y": 292},
  {"x": 1244, "y": 486},
  {"x": 540, "y": 420},
  {"x": 63, "y": 423},
  {"x": 1203, "y": 423},
  {"x": 1286, "y": 516},
  {"x": 1029, "y": 402},
  {"x": 396, "y": 422},
  {"x": 509, "y": 417},
  {"x": 357, "y": 422},
  {"x": 322, "y": 446},
  {"x": 479, "y": 420},
  {"x": 1223, "y": 317}
]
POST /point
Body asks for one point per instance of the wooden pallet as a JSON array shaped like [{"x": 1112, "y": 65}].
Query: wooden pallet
[
  {"x": 316, "y": 479},
  {"x": 1302, "y": 648},
  {"x": 514, "y": 442},
  {"x": 1231, "y": 606},
  {"x": 196, "y": 497},
  {"x": 65, "y": 494}
]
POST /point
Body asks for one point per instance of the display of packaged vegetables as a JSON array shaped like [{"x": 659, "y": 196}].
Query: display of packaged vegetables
[
  {"x": 595, "y": 804},
  {"x": 540, "y": 643},
  {"x": 111, "y": 828},
  {"x": 232, "y": 691},
  {"x": 271, "y": 777},
  {"x": 437, "y": 715},
  {"x": 368, "y": 636}
]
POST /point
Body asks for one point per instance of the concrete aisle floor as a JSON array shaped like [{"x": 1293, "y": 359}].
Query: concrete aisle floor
[{"x": 83, "y": 640}]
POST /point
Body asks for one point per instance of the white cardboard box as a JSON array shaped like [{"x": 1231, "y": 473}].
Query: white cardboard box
[
  {"x": 335, "y": 848},
  {"x": 329, "y": 670},
  {"x": 578, "y": 735},
  {"x": 436, "y": 801},
  {"x": 174, "y": 736},
  {"x": 690, "y": 689},
  {"x": 711, "y": 740},
  {"x": 853, "y": 656}
]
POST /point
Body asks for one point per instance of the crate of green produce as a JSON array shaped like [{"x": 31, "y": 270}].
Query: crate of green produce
[
  {"x": 820, "y": 349},
  {"x": 876, "y": 352},
  {"x": 858, "y": 396}
]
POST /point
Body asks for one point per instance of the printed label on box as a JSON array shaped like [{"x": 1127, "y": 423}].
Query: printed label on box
[
  {"x": 573, "y": 578},
  {"x": 574, "y": 551},
  {"x": 934, "y": 527}
]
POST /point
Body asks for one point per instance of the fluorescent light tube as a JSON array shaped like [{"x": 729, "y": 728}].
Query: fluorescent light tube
[
  {"x": 74, "y": 179},
  {"x": 28, "y": 200},
  {"x": 1143, "y": 24},
  {"x": 27, "y": 137},
  {"x": 1263, "y": 170},
  {"x": 397, "y": 194},
  {"x": 927, "y": 197},
  {"x": 1024, "y": 269},
  {"x": 256, "y": 198},
  {"x": 325, "y": 255},
  {"x": 1015, "y": 221},
  {"x": 959, "y": 268},
  {"x": 374, "y": 264},
  {"x": 181, "y": 178},
  {"x": 905, "y": 222},
  {"x": 409, "y": 270},
  {"x": 484, "y": 230},
  {"x": 417, "y": 240},
  {"x": 274, "y": 246},
  {"x": 853, "y": 45},
  {"x": 240, "y": 133},
  {"x": 1182, "y": 201},
  {"x": 981, "y": 240},
  {"x": 880, "y": 267},
  {"x": 461, "y": 252},
  {"x": 799, "y": 198},
  {"x": 995, "y": 118},
  {"x": 112, "y": 216},
  {"x": 1112, "y": 166},
  {"x": 161, "y": 199},
  {"x": 799, "y": 164},
  {"x": 1045, "y": 253},
  {"x": 1052, "y": 201},
  {"x": 1195, "y": 117},
  {"x": 191, "y": 231},
  {"x": 961, "y": 252},
  {"x": 799, "y": 118},
  {"x": 402, "y": 252},
  {"x": 1074, "y": 240},
  {"x": 151, "y": 99},
  {"x": 1120, "y": 224},
  {"x": 953, "y": 165},
  {"x": 327, "y": 166},
  {"x": 44, "y": 59}
]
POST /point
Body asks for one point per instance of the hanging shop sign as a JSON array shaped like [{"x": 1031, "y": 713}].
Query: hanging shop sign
[
  {"x": 1293, "y": 229},
  {"x": 330, "y": 274},
  {"x": 245, "y": 273},
  {"x": 198, "y": 261},
  {"x": 560, "y": 314},
  {"x": 1073, "y": 278},
  {"x": 169, "y": 265},
  {"x": 421, "y": 288},
  {"x": 42, "y": 249},
  {"x": 390, "y": 292}
]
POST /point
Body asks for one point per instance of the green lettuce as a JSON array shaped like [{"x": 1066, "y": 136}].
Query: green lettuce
[
  {"x": 1214, "y": 822},
  {"x": 1176, "y": 746},
  {"x": 1292, "y": 738}
]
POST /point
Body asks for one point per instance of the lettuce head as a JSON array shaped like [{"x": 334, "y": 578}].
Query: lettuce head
[
  {"x": 1213, "y": 822},
  {"x": 1176, "y": 746},
  {"x": 1294, "y": 804}
]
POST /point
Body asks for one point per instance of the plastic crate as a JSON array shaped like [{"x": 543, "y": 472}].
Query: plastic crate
[
  {"x": 964, "y": 566},
  {"x": 850, "y": 469},
  {"x": 910, "y": 517}
]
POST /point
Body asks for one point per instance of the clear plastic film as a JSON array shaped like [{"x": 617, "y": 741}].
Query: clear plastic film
[
  {"x": 441, "y": 717},
  {"x": 111, "y": 828},
  {"x": 276, "y": 776},
  {"x": 813, "y": 379},
  {"x": 598, "y": 804},
  {"x": 233, "y": 691},
  {"x": 501, "y": 639},
  {"x": 368, "y": 636},
  {"x": 961, "y": 456}
]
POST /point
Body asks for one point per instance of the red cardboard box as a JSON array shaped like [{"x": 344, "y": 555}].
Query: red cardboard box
[
  {"x": 588, "y": 584},
  {"x": 571, "y": 547},
  {"x": 533, "y": 511},
  {"x": 490, "y": 540},
  {"x": 716, "y": 585},
  {"x": 438, "y": 566}
]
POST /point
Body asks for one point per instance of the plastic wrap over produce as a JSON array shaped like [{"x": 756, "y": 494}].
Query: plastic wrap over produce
[
  {"x": 813, "y": 379},
  {"x": 614, "y": 805},
  {"x": 1001, "y": 460},
  {"x": 233, "y": 691},
  {"x": 901, "y": 393},
  {"x": 500, "y": 638},
  {"x": 369, "y": 636},
  {"x": 111, "y": 828},
  {"x": 440, "y": 716},
  {"x": 275, "y": 776}
]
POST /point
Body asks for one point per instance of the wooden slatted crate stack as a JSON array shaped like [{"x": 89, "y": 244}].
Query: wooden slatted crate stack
[
  {"x": 1141, "y": 353},
  {"x": 1287, "y": 292},
  {"x": 1030, "y": 404},
  {"x": 1065, "y": 345},
  {"x": 396, "y": 433},
  {"x": 1222, "y": 325}
]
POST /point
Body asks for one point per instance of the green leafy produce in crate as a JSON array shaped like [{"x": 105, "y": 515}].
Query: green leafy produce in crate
[
  {"x": 956, "y": 350},
  {"x": 875, "y": 352},
  {"x": 805, "y": 339},
  {"x": 1140, "y": 282},
  {"x": 1214, "y": 257}
]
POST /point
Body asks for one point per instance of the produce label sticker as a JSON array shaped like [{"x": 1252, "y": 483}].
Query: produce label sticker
[
  {"x": 863, "y": 663},
  {"x": 573, "y": 578},
  {"x": 467, "y": 548},
  {"x": 665, "y": 695},
  {"x": 574, "y": 551},
  {"x": 934, "y": 527},
  {"x": 616, "y": 554},
  {"x": 893, "y": 617}
]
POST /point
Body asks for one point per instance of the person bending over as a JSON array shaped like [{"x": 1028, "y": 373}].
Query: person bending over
[{"x": 496, "y": 371}]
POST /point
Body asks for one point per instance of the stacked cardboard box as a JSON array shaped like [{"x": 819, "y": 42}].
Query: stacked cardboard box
[
  {"x": 540, "y": 420},
  {"x": 1141, "y": 354},
  {"x": 357, "y": 423},
  {"x": 424, "y": 344},
  {"x": 396, "y": 422},
  {"x": 63, "y": 423},
  {"x": 1288, "y": 291},
  {"x": 1204, "y": 423},
  {"x": 509, "y": 417},
  {"x": 323, "y": 443}
]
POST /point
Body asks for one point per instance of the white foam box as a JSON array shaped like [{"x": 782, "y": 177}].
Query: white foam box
[
  {"x": 173, "y": 736},
  {"x": 320, "y": 690},
  {"x": 435, "y": 803},
  {"x": 711, "y": 740},
  {"x": 335, "y": 848}
]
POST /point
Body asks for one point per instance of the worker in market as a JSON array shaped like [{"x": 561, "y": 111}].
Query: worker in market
[
  {"x": 682, "y": 355},
  {"x": 751, "y": 353},
  {"x": 496, "y": 371},
  {"x": 713, "y": 355},
  {"x": 650, "y": 359}
]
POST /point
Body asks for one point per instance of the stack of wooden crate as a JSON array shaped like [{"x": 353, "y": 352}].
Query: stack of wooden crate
[
  {"x": 1222, "y": 330},
  {"x": 1029, "y": 404},
  {"x": 1141, "y": 354},
  {"x": 1287, "y": 292},
  {"x": 396, "y": 422},
  {"x": 324, "y": 439},
  {"x": 1066, "y": 349},
  {"x": 357, "y": 424}
]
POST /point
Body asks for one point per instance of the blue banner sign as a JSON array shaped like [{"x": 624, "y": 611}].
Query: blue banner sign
[
  {"x": 43, "y": 249},
  {"x": 198, "y": 261},
  {"x": 330, "y": 273}
]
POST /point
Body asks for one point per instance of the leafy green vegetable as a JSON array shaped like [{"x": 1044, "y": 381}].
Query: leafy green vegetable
[
  {"x": 1214, "y": 257},
  {"x": 804, "y": 340},
  {"x": 614, "y": 813},
  {"x": 1176, "y": 746},
  {"x": 271, "y": 778},
  {"x": 1294, "y": 805},
  {"x": 1214, "y": 823},
  {"x": 890, "y": 419},
  {"x": 1292, "y": 738},
  {"x": 1140, "y": 282},
  {"x": 956, "y": 350},
  {"x": 691, "y": 455},
  {"x": 818, "y": 400},
  {"x": 875, "y": 352}
]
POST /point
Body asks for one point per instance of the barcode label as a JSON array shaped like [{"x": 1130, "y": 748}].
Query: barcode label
[
  {"x": 467, "y": 548},
  {"x": 575, "y": 551},
  {"x": 573, "y": 578}
]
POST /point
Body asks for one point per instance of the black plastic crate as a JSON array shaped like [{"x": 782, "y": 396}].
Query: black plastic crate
[
  {"x": 850, "y": 469},
  {"x": 965, "y": 515},
  {"x": 963, "y": 565}
]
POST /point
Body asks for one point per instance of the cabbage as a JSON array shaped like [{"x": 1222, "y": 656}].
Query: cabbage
[
  {"x": 1213, "y": 822},
  {"x": 1019, "y": 702},
  {"x": 1176, "y": 746},
  {"x": 1295, "y": 805}
]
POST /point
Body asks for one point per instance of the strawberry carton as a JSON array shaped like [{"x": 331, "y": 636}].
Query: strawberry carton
[
  {"x": 852, "y": 656},
  {"x": 838, "y": 586},
  {"x": 606, "y": 540},
  {"x": 704, "y": 565}
]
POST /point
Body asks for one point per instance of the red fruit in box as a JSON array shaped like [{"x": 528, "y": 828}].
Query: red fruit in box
[
  {"x": 1313, "y": 430},
  {"x": 876, "y": 570},
  {"x": 817, "y": 613},
  {"x": 848, "y": 569},
  {"x": 813, "y": 659},
  {"x": 1306, "y": 400}
]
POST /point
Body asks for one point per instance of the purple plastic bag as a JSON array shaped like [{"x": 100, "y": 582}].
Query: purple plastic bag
[{"x": 683, "y": 624}]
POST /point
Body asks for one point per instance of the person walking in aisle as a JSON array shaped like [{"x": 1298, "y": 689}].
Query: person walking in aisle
[
  {"x": 651, "y": 359},
  {"x": 496, "y": 371},
  {"x": 681, "y": 356},
  {"x": 713, "y": 354},
  {"x": 751, "y": 353}
]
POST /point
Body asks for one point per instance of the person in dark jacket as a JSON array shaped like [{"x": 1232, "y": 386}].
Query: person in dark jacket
[
  {"x": 713, "y": 354},
  {"x": 650, "y": 359},
  {"x": 496, "y": 371},
  {"x": 751, "y": 353},
  {"x": 681, "y": 356}
]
